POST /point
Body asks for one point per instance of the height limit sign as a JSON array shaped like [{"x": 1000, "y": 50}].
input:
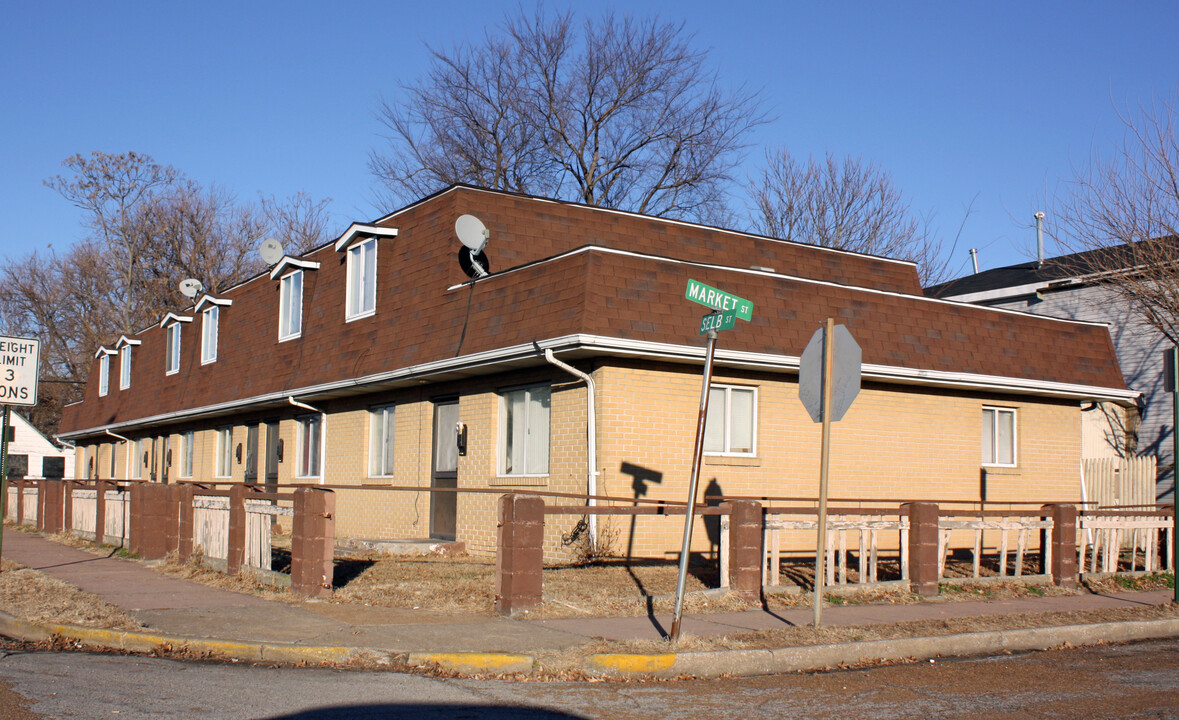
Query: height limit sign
[{"x": 19, "y": 359}]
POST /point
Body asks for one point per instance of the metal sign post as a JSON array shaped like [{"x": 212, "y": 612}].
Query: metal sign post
[
  {"x": 1171, "y": 380},
  {"x": 824, "y": 466},
  {"x": 4, "y": 479}
]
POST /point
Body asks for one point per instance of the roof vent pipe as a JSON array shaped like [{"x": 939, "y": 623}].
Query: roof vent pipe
[
  {"x": 974, "y": 259},
  {"x": 1039, "y": 239},
  {"x": 591, "y": 432}
]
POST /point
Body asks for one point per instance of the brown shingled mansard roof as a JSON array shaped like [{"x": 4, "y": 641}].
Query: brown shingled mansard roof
[{"x": 584, "y": 282}]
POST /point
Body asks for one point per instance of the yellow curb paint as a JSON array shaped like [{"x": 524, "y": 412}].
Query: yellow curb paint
[
  {"x": 625, "y": 663},
  {"x": 475, "y": 661}
]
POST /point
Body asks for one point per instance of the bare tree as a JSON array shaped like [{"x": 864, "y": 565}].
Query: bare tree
[
  {"x": 847, "y": 204},
  {"x": 620, "y": 113},
  {"x": 1122, "y": 212}
]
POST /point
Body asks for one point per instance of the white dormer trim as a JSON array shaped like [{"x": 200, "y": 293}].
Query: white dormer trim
[
  {"x": 174, "y": 318},
  {"x": 288, "y": 263},
  {"x": 363, "y": 231},
  {"x": 124, "y": 340},
  {"x": 210, "y": 300},
  {"x": 103, "y": 351}
]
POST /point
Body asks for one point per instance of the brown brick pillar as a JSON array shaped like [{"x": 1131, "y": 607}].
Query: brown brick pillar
[
  {"x": 19, "y": 484},
  {"x": 42, "y": 505},
  {"x": 237, "y": 529},
  {"x": 1064, "y": 544},
  {"x": 172, "y": 528},
  {"x": 67, "y": 505},
  {"x": 745, "y": 550},
  {"x": 313, "y": 542},
  {"x": 100, "y": 512},
  {"x": 149, "y": 520},
  {"x": 923, "y": 547},
  {"x": 50, "y": 501},
  {"x": 519, "y": 557},
  {"x": 184, "y": 524}
]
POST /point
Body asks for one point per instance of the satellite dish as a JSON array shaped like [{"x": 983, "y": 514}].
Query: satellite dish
[
  {"x": 473, "y": 263},
  {"x": 471, "y": 232},
  {"x": 190, "y": 287},
  {"x": 271, "y": 251}
]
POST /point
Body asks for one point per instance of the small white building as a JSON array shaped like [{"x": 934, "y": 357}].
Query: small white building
[{"x": 31, "y": 454}]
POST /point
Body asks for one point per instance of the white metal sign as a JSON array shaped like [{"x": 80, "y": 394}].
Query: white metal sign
[{"x": 19, "y": 358}]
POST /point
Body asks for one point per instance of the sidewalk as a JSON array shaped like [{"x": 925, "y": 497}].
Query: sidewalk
[{"x": 187, "y": 609}]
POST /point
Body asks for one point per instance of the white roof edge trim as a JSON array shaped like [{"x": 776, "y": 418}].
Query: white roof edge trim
[
  {"x": 358, "y": 230},
  {"x": 124, "y": 340},
  {"x": 998, "y": 293},
  {"x": 627, "y": 213},
  {"x": 210, "y": 300},
  {"x": 103, "y": 350},
  {"x": 174, "y": 318},
  {"x": 287, "y": 262},
  {"x": 784, "y": 276},
  {"x": 653, "y": 350}
]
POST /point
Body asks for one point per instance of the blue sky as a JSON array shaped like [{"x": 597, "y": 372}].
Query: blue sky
[{"x": 992, "y": 102}]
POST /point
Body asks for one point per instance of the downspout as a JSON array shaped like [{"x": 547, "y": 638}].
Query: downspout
[
  {"x": 322, "y": 437},
  {"x": 116, "y": 435},
  {"x": 591, "y": 480}
]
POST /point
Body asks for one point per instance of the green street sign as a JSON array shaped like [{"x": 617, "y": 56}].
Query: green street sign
[
  {"x": 718, "y": 321},
  {"x": 718, "y": 299}
]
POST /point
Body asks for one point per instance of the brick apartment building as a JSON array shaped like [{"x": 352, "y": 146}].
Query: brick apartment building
[{"x": 355, "y": 363}]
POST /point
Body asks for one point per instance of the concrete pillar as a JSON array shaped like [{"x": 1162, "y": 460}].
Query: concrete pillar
[
  {"x": 519, "y": 556},
  {"x": 100, "y": 512},
  {"x": 923, "y": 547},
  {"x": 237, "y": 529},
  {"x": 1064, "y": 544},
  {"x": 745, "y": 550},
  {"x": 184, "y": 522},
  {"x": 313, "y": 542}
]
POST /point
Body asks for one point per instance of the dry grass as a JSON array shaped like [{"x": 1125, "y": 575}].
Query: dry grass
[{"x": 34, "y": 596}]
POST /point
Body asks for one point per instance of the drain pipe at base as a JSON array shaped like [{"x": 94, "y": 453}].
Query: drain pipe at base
[{"x": 591, "y": 482}]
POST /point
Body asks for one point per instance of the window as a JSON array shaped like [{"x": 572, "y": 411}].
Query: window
[
  {"x": 224, "y": 452},
  {"x": 524, "y": 431},
  {"x": 124, "y": 367},
  {"x": 135, "y": 460},
  {"x": 210, "y": 319},
  {"x": 186, "y": 458},
  {"x": 104, "y": 374},
  {"x": 381, "y": 441},
  {"x": 172, "y": 349},
  {"x": 730, "y": 428},
  {"x": 310, "y": 440},
  {"x": 998, "y": 436},
  {"x": 290, "y": 306},
  {"x": 362, "y": 279}
]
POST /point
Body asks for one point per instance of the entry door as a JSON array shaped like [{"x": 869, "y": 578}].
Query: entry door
[
  {"x": 165, "y": 459},
  {"x": 251, "y": 471},
  {"x": 444, "y": 505},
  {"x": 155, "y": 461},
  {"x": 272, "y": 455}
]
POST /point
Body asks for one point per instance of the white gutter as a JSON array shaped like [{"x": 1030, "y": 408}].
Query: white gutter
[
  {"x": 591, "y": 431},
  {"x": 116, "y": 435}
]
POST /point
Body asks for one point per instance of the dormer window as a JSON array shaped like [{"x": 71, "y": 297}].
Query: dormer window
[
  {"x": 124, "y": 345},
  {"x": 104, "y": 370},
  {"x": 171, "y": 325},
  {"x": 360, "y": 242},
  {"x": 210, "y": 323},
  {"x": 290, "y": 270}
]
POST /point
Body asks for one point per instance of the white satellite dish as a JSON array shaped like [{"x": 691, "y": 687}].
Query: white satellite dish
[
  {"x": 471, "y": 232},
  {"x": 271, "y": 251},
  {"x": 190, "y": 287}
]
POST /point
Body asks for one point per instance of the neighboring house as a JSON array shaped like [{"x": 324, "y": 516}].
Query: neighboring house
[
  {"x": 1071, "y": 286},
  {"x": 31, "y": 454},
  {"x": 375, "y": 359}
]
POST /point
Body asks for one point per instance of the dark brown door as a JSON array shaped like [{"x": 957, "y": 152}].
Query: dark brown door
[
  {"x": 444, "y": 505},
  {"x": 273, "y": 458}
]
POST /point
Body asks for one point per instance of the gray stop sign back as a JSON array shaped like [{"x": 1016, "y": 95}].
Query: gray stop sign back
[{"x": 845, "y": 371}]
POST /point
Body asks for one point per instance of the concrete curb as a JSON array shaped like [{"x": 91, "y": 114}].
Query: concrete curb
[{"x": 745, "y": 663}]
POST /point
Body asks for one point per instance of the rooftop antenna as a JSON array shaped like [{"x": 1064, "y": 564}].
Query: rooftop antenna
[
  {"x": 190, "y": 287},
  {"x": 1039, "y": 239},
  {"x": 474, "y": 236},
  {"x": 271, "y": 251}
]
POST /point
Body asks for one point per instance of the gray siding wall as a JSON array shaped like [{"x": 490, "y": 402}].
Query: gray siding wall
[{"x": 1140, "y": 353}]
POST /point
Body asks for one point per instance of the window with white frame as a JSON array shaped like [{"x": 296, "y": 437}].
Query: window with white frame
[
  {"x": 998, "y": 436},
  {"x": 172, "y": 349},
  {"x": 310, "y": 429},
  {"x": 362, "y": 279},
  {"x": 731, "y": 425},
  {"x": 135, "y": 461},
  {"x": 210, "y": 320},
  {"x": 224, "y": 452},
  {"x": 381, "y": 441},
  {"x": 124, "y": 367},
  {"x": 524, "y": 431},
  {"x": 104, "y": 374},
  {"x": 290, "y": 306},
  {"x": 187, "y": 438}
]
